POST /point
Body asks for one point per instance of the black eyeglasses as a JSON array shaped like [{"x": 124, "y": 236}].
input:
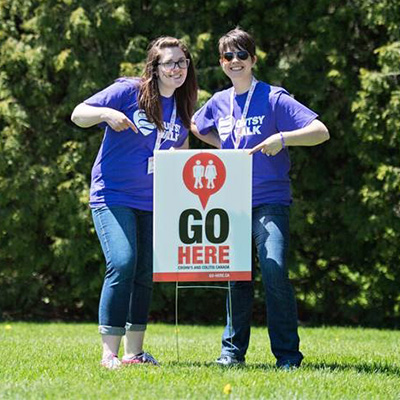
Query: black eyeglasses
[
  {"x": 183, "y": 63},
  {"x": 241, "y": 55}
]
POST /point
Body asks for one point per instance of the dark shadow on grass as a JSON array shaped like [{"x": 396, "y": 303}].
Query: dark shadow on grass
[
  {"x": 367, "y": 368},
  {"x": 198, "y": 364},
  {"x": 212, "y": 364}
]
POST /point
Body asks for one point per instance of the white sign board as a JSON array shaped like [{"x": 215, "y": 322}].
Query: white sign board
[{"x": 202, "y": 215}]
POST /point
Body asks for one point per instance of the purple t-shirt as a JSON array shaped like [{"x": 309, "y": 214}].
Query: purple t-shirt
[
  {"x": 271, "y": 110},
  {"x": 119, "y": 173}
]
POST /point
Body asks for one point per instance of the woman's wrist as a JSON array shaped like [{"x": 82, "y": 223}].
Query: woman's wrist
[{"x": 104, "y": 114}]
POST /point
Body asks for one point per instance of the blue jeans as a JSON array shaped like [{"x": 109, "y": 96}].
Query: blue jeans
[
  {"x": 126, "y": 237},
  {"x": 270, "y": 226}
]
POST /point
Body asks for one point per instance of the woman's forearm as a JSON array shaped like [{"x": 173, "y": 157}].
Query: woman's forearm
[
  {"x": 311, "y": 135},
  {"x": 86, "y": 116},
  {"x": 210, "y": 138}
]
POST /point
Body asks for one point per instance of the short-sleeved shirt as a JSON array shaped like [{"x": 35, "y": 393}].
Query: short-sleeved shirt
[
  {"x": 271, "y": 110},
  {"x": 120, "y": 171}
]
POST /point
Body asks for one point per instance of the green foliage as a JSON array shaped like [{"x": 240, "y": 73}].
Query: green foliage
[{"x": 339, "y": 57}]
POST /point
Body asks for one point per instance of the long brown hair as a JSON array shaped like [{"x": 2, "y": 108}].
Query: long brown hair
[{"x": 149, "y": 95}]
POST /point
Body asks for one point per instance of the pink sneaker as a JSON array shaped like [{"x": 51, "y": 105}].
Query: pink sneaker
[
  {"x": 141, "y": 358},
  {"x": 111, "y": 362}
]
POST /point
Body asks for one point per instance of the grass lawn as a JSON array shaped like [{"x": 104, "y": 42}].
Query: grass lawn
[{"x": 61, "y": 361}]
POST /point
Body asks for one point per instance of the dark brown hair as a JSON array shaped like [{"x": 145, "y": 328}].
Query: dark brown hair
[
  {"x": 149, "y": 95},
  {"x": 239, "y": 39}
]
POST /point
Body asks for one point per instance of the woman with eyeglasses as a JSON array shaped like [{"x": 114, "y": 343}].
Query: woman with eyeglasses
[
  {"x": 139, "y": 115},
  {"x": 266, "y": 120}
]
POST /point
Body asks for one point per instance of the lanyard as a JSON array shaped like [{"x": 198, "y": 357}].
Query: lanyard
[
  {"x": 171, "y": 127},
  {"x": 244, "y": 114}
]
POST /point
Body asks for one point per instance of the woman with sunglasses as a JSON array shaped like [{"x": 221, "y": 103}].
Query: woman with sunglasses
[
  {"x": 266, "y": 120},
  {"x": 139, "y": 115}
]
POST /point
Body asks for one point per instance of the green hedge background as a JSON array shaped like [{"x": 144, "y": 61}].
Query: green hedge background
[{"x": 340, "y": 57}]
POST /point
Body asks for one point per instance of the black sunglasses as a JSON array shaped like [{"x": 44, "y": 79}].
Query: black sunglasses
[{"x": 241, "y": 55}]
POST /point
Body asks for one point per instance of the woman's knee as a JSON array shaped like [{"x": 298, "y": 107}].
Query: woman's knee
[{"x": 121, "y": 267}]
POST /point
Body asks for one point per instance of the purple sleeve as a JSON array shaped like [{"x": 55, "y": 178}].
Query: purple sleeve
[
  {"x": 204, "y": 118},
  {"x": 113, "y": 96},
  {"x": 291, "y": 115}
]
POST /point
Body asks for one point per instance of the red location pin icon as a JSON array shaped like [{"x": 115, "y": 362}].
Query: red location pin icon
[{"x": 204, "y": 174}]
